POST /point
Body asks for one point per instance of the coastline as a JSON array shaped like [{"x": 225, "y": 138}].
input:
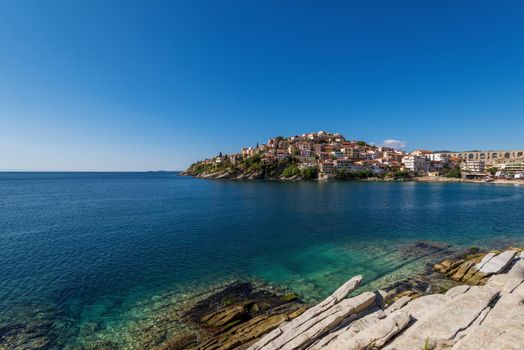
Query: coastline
[
  {"x": 238, "y": 313},
  {"x": 240, "y": 316},
  {"x": 445, "y": 179},
  {"x": 427, "y": 179}
]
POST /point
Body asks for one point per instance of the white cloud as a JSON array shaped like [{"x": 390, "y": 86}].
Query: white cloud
[{"x": 394, "y": 143}]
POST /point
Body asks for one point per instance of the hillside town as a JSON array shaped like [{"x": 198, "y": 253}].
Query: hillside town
[{"x": 326, "y": 155}]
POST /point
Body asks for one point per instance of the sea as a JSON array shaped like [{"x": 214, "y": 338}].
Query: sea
[{"x": 106, "y": 260}]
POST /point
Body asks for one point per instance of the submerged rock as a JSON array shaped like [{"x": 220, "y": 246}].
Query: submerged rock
[{"x": 237, "y": 315}]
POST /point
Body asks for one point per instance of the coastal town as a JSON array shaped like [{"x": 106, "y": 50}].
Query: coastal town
[{"x": 324, "y": 155}]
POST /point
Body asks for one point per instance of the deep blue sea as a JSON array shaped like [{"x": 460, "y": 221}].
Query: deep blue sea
[{"x": 88, "y": 259}]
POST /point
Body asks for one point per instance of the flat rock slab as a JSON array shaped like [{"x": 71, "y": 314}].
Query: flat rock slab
[
  {"x": 317, "y": 327},
  {"x": 286, "y": 332},
  {"x": 397, "y": 305},
  {"x": 445, "y": 321},
  {"x": 360, "y": 323},
  {"x": 374, "y": 336},
  {"x": 420, "y": 306},
  {"x": 456, "y": 291},
  {"x": 498, "y": 263},
  {"x": 484, "y": 260},
  {"x": 503, "y": 327}
]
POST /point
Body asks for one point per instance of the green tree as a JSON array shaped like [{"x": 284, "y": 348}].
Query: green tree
[
  {"x": 309, "y": 173},
  {"x": 291, "y": 171},
  {"x": 363, "y": 174},
  {"x": 399, "y": 174},
  {"x": 455, "y": 172}
]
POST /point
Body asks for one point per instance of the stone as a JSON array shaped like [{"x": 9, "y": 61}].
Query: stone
[
  {"x": 462, "y": 270},
  {"x": 244, "y": 335},
  {"x": 311, "y": 313},
  {"x": 458, "y": 290},
  {"x": 444, "y": 266},
  {"x": 484, "y": 260},
  {"x": 454, "y": 266},
  {"x": 343, "y": 291},
  {"x": 353, "y": 326},
  {"x": 224, "y": 317},
  {"x": 365, "y": 322},
  {"x": 398, "y": 304},
  {"x": 502, "y": 328},
  {"x": 297, "y": 312},
  {"x": 518, "y": 268},
  {"x": 491, "y": 264},
  {"x": 311, "y": 330},
  {"x": 498, "y": 263},
  {"x": 420, "y": 306},
  {"x": 374, "y": 336},
  {"x": 505, "y": 283},
  {"x": 443, "y": 323}
]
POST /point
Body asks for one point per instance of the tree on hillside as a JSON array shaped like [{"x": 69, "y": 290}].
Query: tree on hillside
[
  {"x": 309, "y": 173},
  {"x": 291, "y": 171}
]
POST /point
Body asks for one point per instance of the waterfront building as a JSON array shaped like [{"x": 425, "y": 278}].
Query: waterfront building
[
  {"x": 327, "y": 167},
  {"x": 513, "y": 167},
  {"x": 474, "y": 166},
  {"x": 416, "y": 163}
]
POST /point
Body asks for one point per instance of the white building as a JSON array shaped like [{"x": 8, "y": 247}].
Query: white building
[
  {"x": 438, "y": 157},
  {"x": 512, "y": 167},
  {"x": 416, "y": 163},
  {"x": 475, "y": 166}
]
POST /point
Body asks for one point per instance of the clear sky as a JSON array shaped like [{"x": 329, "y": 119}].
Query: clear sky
[{"x": 139, "y": 85}]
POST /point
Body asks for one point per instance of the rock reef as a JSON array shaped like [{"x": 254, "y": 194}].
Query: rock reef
[{"x": 235, "y": 317}]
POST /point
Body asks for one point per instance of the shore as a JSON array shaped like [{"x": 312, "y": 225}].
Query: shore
[
  {"x": 447, "y": 179},
  {"x": 439, "y": 179},
  {"x": 440, "y": 309},
  {"x": 240, "y": 314}
]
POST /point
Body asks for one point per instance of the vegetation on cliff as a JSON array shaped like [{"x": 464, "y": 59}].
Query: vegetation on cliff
[{"x": 253, "y": 168}]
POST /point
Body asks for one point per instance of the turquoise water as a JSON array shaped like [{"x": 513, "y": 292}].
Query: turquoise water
[{"x": 87, "y": 258}]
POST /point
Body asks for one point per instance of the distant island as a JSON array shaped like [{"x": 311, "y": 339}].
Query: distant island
[{"x": 324, "y": 155}]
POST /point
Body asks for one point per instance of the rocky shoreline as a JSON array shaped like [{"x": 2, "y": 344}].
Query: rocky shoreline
[{"x": 455, "y": 304}]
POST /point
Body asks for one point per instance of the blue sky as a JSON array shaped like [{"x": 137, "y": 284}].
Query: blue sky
[{"x": 139, "y": 85}]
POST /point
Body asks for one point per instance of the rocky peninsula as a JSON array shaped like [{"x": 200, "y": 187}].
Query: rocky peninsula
[
  {"x": 324, "y": 155},
  {"x": 480, "y": 305}
]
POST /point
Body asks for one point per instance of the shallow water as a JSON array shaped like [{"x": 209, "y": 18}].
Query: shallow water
[{"x": 88, "y": 257}]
